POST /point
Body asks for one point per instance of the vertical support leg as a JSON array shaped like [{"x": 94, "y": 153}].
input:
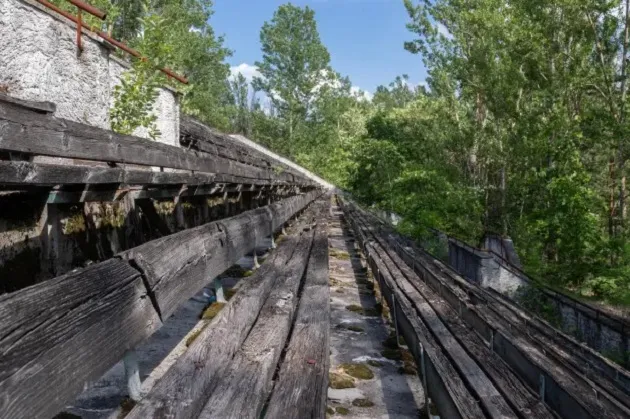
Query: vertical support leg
[
  {"x": 393, "y": 311},
  {"x": 256, "y": 264},
  {"x": 273, "y": 241},
  {"x": 218, "y": 290},
  {"x": 132, "y": 374}
]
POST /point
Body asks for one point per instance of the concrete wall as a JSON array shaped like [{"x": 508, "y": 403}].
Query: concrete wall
[
  {"x": 604, "y": 333},
  {"x": 483, "y": 268},
  {"x": 39, "y": 61}
]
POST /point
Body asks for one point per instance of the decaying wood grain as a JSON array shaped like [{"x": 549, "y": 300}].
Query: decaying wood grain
[
  {"x": 179, "y": 265},
  {"x": 243, "y": 389},
  {"x": 566, "y": 391},
  {"x": 301, "y": 388},
  {"x": 58, "y": 336},
  {"x": 445, "y": 386},
  {"x": 27, "y": 131},
  {"x": 183, "y": 390},
  {"x": 197, "y": 135},
  {"x": 512, "y": 389}
]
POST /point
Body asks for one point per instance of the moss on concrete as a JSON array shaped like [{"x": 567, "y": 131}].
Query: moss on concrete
[
  {"x": 247, "y": 274},
  {"x": 212, "y": 310},
  {"x": 340, "y": 381},
  {"x": 229, "y": 293},
  {"x": 362, "y": 403},
  {"x": 360, "y": 371},
  {"x": 342, "y": 411},
  {"x": 354, "y": 308},
  {"x": 339, "y": 254}
]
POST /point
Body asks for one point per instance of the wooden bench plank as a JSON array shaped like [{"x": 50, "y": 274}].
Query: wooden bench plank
[
  {"x": 301, "y": 388},
  {"x": 243, "y": 389},
  {"x": 184, "y": 388},
  {"x": 31, "y": 132},
  {"x": 179, "y": 265},
  {"x": 58, "y": 336}
]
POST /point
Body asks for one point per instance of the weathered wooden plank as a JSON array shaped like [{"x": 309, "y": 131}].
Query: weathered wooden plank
[
  {"x": 442, "y": 381},
  {"x": 57, "y": 336},
  {"x": 301, "y": 388},
  {"x": 179, "y": 265},
  {"x": 46, "y": 107},
  {"x": 512, "y": 389},
  {"x": 183, "y": 390},
  {"x": 240, "y": 393},
  {"x": 565, "y": 390},
  {"x": 204, "y": 138},
  {"x": 31, "y": 132}
]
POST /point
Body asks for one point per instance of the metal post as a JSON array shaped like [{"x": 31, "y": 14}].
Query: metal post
[
  {"x": 218, "y": 290},
  {"x": 393, "y": 311},
  {"x": 132, "y": 374},
  {"x": 256, "y": 264}
]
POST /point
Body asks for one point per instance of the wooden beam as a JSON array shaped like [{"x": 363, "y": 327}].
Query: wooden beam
[
  {"x": 58, "y": 336},
  {"x": 239, "y": 393},
  {"x": 27, "y": 131},
  {"x": 184, "y": 388},
  {"x": 197, "y": 255},
  {"x": 301, "y": 388}
]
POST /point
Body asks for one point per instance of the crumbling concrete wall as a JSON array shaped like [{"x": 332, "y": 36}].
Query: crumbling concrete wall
[
  {"x": 39, "y": 61},
  {"x": 606, "y": 334}
]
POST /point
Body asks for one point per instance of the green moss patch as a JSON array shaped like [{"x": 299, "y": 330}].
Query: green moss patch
[
  {"x": 362, "y": 403},
  {"x": 374, "y": 363},
  {"x": 360, "y": 371},
  {"x": 342, "y": 411},
  {"x": 330, "y": 410},
  {"x": 354, "y": 308},
  {"x": 247, "y": 274},
  {"x": 229, "y": 293},
  {"x": 212, "y": 310},
  {"x": 74, "y": 224},
  {"x": 340, "y": 381},
  {"x": 339, "y": 254}
]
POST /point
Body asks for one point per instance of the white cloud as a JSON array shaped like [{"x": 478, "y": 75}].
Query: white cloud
[
  {"x": 247, "y": 70},
  {"x": 361, "y": 94}
]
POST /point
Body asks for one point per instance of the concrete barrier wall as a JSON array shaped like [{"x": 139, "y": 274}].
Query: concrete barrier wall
[
  {"x": 39, "y": 61},
  {"x": 605, "y": 333}
]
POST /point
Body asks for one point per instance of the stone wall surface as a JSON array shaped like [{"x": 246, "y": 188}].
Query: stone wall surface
[{"x": 39, "y": 61}]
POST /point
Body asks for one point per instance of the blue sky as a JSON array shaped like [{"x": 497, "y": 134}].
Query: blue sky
[{"x": 364, "y": 37}]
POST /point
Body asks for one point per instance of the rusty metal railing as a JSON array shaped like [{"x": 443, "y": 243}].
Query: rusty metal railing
[{"x": 82, "y": 6}]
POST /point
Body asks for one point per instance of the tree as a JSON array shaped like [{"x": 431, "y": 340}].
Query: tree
[{"x": 294, "y": 64}]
